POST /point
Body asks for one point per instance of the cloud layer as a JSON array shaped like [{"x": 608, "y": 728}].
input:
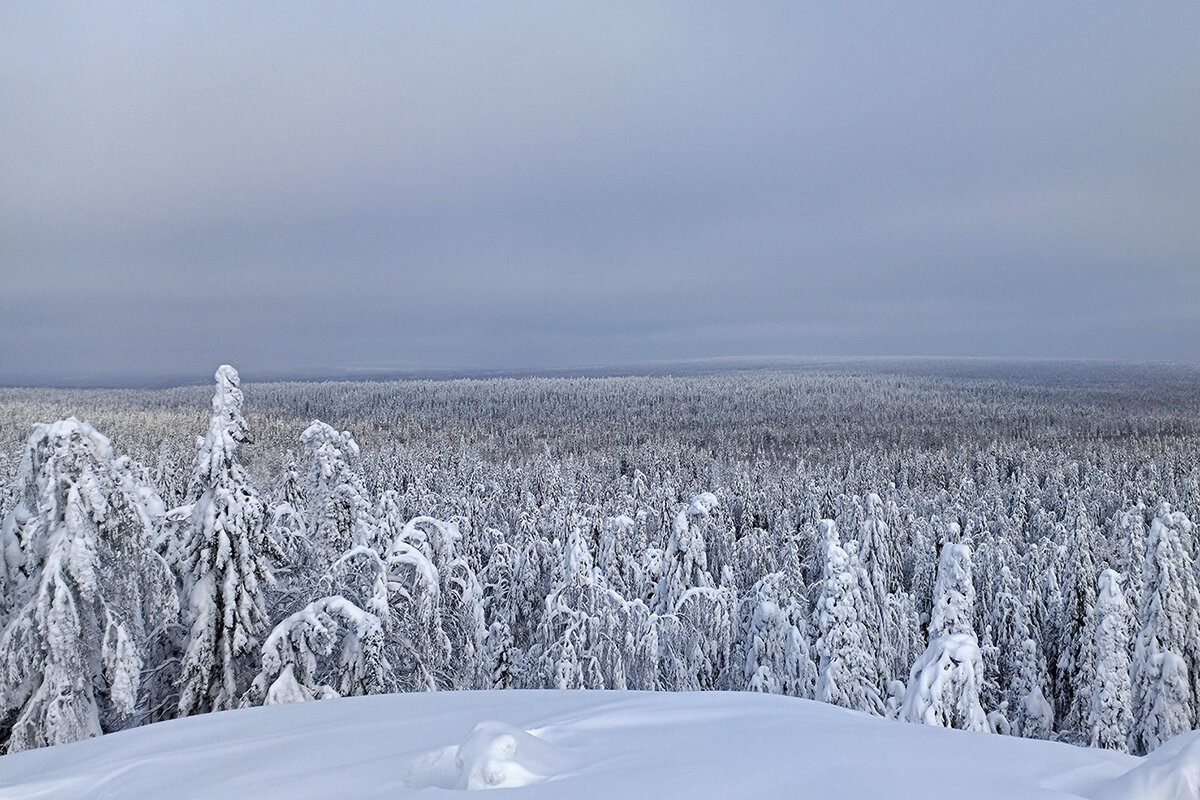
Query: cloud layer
[{"x": 300, "y": 187}]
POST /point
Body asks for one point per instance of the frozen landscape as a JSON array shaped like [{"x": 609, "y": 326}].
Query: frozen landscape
[
  {"x": 602, "y": 745},
  {"x": 632, "y": 400},
  {"x": 494, "y": 537}
]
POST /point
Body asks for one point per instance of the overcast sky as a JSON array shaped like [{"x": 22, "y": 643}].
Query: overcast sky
[{"x": 306, "y": 188}]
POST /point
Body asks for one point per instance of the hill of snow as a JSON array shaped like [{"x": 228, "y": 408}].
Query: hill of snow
[{"x": 581, "y": 744}]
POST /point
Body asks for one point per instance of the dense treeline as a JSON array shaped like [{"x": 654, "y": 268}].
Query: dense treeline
[{"x": 1007, "y": 552}]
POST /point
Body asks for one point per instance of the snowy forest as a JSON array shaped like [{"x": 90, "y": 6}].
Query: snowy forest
[{"x": 993, "y": 547}]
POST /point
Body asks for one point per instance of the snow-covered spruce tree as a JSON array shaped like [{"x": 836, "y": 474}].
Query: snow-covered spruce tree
[
  {"x": 1167, "y": 652},
  {"x": 1129, "y": 531},
  {"x": 496, "y": 659},
  {"x": 685, "y": 562},
  {"x": 879, "y": 548},
  {"x": 696, "y": 641},
  {"x": 539, "y": 570},
  {"x": 1075, "y": 667},
  {"x": 1110, "y": 712},
  {"x": 926, "y": 553},
  {"x": 944, "y": 686},
  {"x": 338, "y": 513},
  {"x": 1009, "y": 626},
  {"x": 581, "y": 640},
  {"x": 1161, "y": 713},
  {"x": 775, "y": 640},
  {"x": 953, "y": 594},
  {"x": 226, "y": 561},
  {"x": 901, "y": 641},
  {"x": 847, "y": 672},
  {"x": 1033, "y": 715},
  {"x": 94, "y": 596}
]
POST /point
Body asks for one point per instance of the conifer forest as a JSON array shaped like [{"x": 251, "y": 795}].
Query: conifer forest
[{"x": 992, "y": 546}]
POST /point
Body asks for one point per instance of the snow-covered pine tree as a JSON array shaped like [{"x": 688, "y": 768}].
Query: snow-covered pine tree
[
  {"x": 93, "y": 595},
  {"x": 226, "y": 560},
  {"x": 1110, "y": 711}
]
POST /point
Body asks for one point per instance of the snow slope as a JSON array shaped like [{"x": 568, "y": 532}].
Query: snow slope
[{"x": 554, "y": 744}]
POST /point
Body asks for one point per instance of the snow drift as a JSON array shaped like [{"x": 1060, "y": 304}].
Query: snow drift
[{"x": 581, "y": 744}]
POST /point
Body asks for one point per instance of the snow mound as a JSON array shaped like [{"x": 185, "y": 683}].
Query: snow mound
[
  {"x": 1172, "y": 772},
  {"x": 494, "y": 755},
  {"x": 582, "y": 745}
]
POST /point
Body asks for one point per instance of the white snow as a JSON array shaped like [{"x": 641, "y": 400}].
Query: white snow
[
  {"x": 583, "y": 744},
  {"x": 1170, "y": 772},
  {"x": 493, "y": 756}
]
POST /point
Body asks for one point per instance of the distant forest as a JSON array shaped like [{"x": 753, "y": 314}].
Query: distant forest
[{"x": 993, "y": 547}]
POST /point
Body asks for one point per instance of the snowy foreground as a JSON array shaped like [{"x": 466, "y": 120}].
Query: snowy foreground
[{"x": 583, "y": 745}]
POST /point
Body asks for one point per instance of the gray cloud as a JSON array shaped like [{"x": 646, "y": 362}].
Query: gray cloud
[{"x": 308, "y": 188}]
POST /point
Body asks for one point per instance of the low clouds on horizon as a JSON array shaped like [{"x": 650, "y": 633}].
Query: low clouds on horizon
[{"x": 304, "y": 188}]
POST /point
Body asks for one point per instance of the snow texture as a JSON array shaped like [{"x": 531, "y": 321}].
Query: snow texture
[{"x": 555, "y": 744}]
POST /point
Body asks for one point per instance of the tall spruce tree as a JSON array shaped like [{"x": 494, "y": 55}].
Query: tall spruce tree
[
  {"x": 1168, "y": 642},
  {"x": 226, "y": 560},
  {"x": 847, "y": 673},
  {"x": 1110, "y": 711}
]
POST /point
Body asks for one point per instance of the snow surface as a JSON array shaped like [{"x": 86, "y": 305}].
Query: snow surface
[{"x": 581, "y": 744}]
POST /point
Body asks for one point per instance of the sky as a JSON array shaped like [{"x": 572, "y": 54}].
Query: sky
[{"x": 326, "y": 189}]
